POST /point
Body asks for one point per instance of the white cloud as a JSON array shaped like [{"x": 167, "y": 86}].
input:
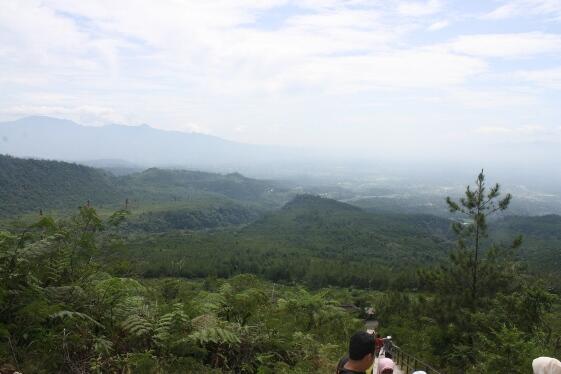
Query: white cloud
[
  {"x": 419, "y": 8},
  {"x": 502, "y": 12},
  {"x": 518, "y": 131},
  {"x": 413, "y": 68},
  {"x": 491, "y": 98},
  {"x": 550, "y": 78},
  {"x": 209, "y": 44},
  {"x": 86, "y": 114},
  {"x": 516, "y": 8},
  {"x": 439, "y": 25},
  {"x": 512, "y": 45},
  {"x": 196, "y": 128},
  {"x": 493, "y": 130},
  {"x": 181, "y": 64}
]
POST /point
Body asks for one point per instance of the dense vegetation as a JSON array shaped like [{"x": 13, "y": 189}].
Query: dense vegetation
[
  {"x": 64, "y": 310},
  {"x": 159, "y": 199},
  {"x": 481, "y": 313},
  {"x": 319, "y": 242},
  {"x": 60, "y": 312},
  {"x": 179, "y": 184},
  {"x": 313, "y": 240},
  {"x": 542, "y": 241},
  {"x": 32, "y": 185},
  {"x": 214, "y": 214},
  {"x": 203, "y": 275}
]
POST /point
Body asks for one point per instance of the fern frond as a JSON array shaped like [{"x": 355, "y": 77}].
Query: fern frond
[
  {"x": 216, "y": 335},
  {"x": 137, "y": 325},
  {"x": 64, "y": 314}
]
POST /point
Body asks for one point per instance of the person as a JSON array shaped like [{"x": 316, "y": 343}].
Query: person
[
  {"x": 379, "y": 343},
  {"x": 361, "y": 355},
  {"x": 388, "y": 347},
  {"x": 385, "y": 365},
  {"x": 546, "y": 365}
]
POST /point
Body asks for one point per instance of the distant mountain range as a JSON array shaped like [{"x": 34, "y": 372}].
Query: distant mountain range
[{"x": 58, "y": 139}]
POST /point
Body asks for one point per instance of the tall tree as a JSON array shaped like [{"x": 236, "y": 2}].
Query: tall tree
[
  {"x": 466, "y": 287},
  {"x": 477, "y": 204}
]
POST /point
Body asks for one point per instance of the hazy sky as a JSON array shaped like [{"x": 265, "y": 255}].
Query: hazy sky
[{"x": 386, "y": 74}]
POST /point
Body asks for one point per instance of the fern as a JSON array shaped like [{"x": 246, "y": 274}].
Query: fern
[
  {"x": 67, "y": 314},
  {"x": 209, "y": 303},
  {"x": 137, "y": 325},
  {"x": 132, "y": 305},
  {"x": 57, "y": 266},
  {"x": 171, "y": 324},
  {"x": 216, "y": 335},
  {"x": 204, "y": 321},
  {"x": 103, "y": 346}
]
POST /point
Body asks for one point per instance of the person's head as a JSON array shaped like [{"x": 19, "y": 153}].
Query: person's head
[
  {"x": 385, "y": 366},
  {"x": 361, "y": 349},
  {"x": 378, "y": 335}
]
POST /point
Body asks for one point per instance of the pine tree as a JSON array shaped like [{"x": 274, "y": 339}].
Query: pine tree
[
  {"x": 476, "y": 206},
  {"x": 467, "y": 286}
]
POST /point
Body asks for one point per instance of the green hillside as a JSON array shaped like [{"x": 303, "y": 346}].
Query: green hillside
[
  {"x": 541, "y": 249},
  {"x": 167, "y": 184},
  {"x": 202, "y": 213},
  {"x": 317, "y": 232},
  {"x": 158, "y": 199},
  {"x": 334, "y": 229},
  {"x": 313, "y": 240},
  {"x": 29, "y": 185},
  {"x": 321, "y": 242}
]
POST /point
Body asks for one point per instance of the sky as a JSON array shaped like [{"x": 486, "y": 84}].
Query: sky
[{"x": 435, "y": 77}]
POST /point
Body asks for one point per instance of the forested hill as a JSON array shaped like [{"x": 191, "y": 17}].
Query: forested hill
[
  {"x": 541, "y": 248},
  {"x": 180, "y": 183},
  {"x": 29, "y": 185},
  {"x": 314, "y": 240},
  {"x": 331, "y": 228}
]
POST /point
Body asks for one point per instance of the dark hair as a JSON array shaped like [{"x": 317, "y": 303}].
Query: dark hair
[{"x": 361, "y": 344}]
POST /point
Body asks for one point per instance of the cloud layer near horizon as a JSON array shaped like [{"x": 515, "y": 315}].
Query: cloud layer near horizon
[{"x": 351, "y": 74}]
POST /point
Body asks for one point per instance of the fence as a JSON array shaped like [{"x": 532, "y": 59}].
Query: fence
[{"x": 409, "y": 363}]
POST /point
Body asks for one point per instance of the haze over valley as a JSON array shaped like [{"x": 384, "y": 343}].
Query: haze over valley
[{"x": 378, "y": 183}]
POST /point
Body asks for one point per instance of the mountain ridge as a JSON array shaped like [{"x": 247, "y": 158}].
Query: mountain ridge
[
  {"x": 65, "y": 140},
  {"x": 28, "y": 185}
]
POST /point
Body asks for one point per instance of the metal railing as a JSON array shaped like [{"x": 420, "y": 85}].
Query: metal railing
[{"x": 410, "y": 363}]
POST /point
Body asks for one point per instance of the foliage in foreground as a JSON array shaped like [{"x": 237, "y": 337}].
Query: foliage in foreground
[{"x": 60, "y": 312}]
